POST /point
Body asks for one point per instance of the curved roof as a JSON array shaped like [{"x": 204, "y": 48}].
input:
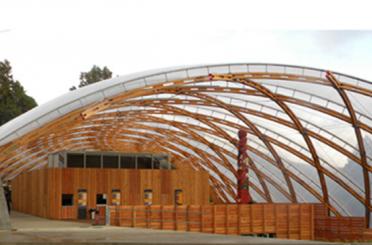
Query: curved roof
[{"x": 309, "y": 129}]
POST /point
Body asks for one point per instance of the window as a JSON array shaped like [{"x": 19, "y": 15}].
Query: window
[
  {"x": 144, "y": 162},
  {"x": 93, "y": 161},
  {"x": 82, "y": 197},
  {"x": 101, "y": 199},
  {"x": 110, "y": 161},
  {"x": 178, "y": 197},
  {"x": 75, "y": 160},
  {"x": 67, "y": 199},
  {"x": 147, "y": 199},
  {"x": 128, "y": 162},
  {"x": 156, "y": 163},
  {"x": 115, "y": 197},
  {"x": 161, "y": 161}
]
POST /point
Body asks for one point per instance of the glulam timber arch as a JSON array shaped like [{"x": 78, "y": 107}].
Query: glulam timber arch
[{"x": 194, "y": 113}]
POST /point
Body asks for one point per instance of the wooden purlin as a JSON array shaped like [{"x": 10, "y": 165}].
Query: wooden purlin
[{"x": 363, "y": 157}]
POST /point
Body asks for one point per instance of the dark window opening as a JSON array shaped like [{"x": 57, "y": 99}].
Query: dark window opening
[
  {"x": 110, "y": 161},
  {"x": 161, "y": 162},
  {"x": 156, "y": 163},
  {"x": 144, "y": 162},
  {"x": 75, "y": 160},
  {"x": 128, "y": 162},
  {"x": 93, "y": 161},
  {"x": 101, "y": 199},
  {"x": 67, "y": 199}
]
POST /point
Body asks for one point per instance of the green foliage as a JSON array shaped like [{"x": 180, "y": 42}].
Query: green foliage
[
  {"x": 13, "y": 98},
  {"x": 95, "y": 74}
]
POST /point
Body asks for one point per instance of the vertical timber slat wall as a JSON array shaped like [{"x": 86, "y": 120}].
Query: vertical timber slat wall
[
  {"x": 40, "y": 192},
  {"x": 288, "y": 221},
  {"x": 337, "y": 228}
]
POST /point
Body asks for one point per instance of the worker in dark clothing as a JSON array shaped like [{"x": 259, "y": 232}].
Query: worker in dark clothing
[{"x": 8, "y": 197}]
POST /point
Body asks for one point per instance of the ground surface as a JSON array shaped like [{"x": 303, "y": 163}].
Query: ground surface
[{"x": 30, "y": 229}]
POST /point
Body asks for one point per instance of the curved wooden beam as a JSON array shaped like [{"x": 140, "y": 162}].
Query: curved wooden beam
[{"x": 363, "y": 157}]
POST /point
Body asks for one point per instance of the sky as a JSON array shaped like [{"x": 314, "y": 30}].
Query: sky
[{"x": 50, "y": 42}]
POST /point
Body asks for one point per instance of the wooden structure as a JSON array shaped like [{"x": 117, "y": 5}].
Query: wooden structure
[
  {"x": 40, "y": 192},
  {"x": 194, "y": 113},
  {"x": 287, "y": 221},
  {"x": 328, "y": 228}
]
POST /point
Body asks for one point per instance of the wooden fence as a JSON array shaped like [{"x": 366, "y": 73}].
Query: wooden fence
[{"x": 291, "y": 221}]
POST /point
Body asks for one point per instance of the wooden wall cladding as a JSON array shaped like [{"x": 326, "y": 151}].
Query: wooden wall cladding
[
  {"x": 290, "y": 221},
  {"x": 39, "y": 192},
  {"x": 340, "y": 228},
  {"x": 329, "y": 228}
]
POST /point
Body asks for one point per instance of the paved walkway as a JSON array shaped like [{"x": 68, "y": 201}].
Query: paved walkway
[
  {"x": 36, "y": 230},
  {"x": 25, "y": 222}
]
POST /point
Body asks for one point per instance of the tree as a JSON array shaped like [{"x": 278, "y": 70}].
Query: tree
[
  {"x": 13, "y": 98},
  {"x": 95, "y": 74}
]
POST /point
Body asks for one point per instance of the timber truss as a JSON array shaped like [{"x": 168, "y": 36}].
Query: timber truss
[{"x": 194, "y": 114}]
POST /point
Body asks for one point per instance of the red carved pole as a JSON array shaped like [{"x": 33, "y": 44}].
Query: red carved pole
[{"x": 243, "y": 187}]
